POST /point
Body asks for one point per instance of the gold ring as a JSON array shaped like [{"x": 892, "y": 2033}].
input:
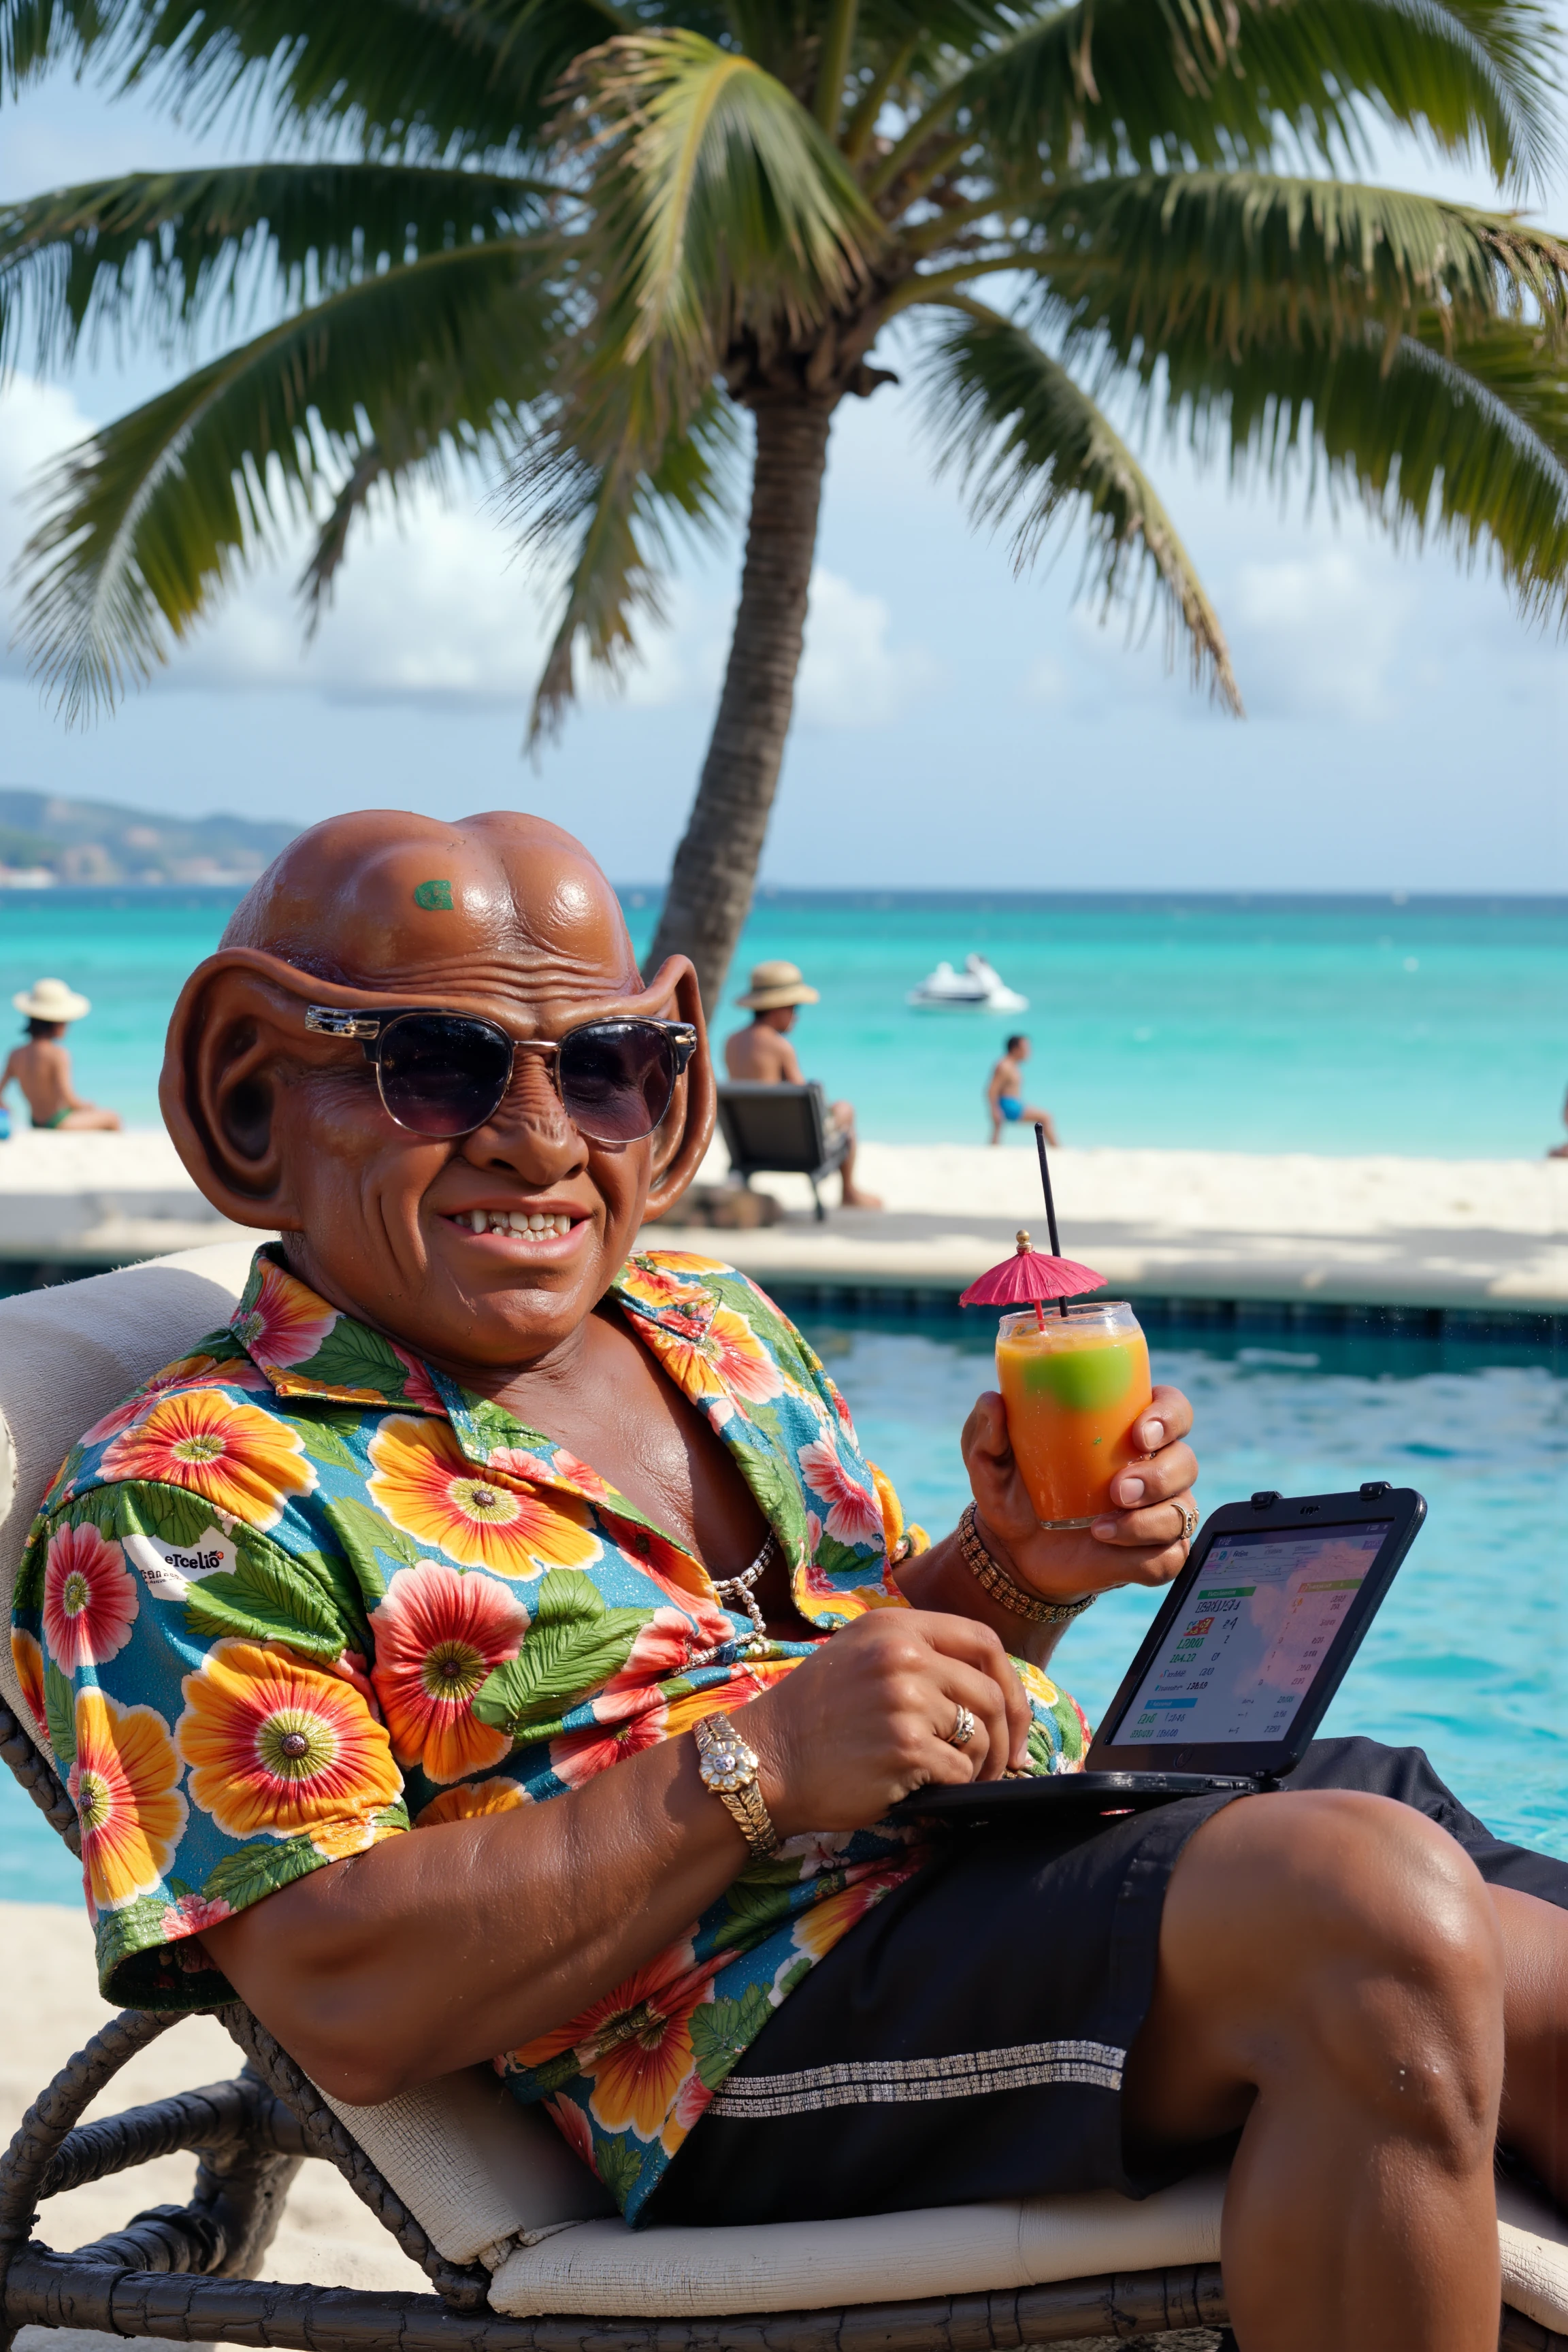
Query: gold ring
[
  {"x": 1189, "y": 1522},
  {"x": 963, "y": 1730}
]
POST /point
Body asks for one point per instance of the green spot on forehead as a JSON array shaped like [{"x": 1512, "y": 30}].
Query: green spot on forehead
[{"x": 435, "y": 897}]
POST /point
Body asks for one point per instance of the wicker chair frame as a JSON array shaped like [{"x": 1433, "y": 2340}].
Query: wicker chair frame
[{"x": 188, "y": 2271}]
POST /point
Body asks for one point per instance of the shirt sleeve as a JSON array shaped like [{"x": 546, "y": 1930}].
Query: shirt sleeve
[{"x": 205, "y": 1697}]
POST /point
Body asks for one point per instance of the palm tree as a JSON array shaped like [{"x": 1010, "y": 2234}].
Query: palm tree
[{"x": 581, "y": 238}]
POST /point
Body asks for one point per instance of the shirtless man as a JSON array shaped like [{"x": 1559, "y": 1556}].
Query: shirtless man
[
  {"x": 762, "y": 1056},
  {"x": 42, "y": 1068},
  {"x": 428, "y": 1773},
  {"x": 1005, "y": 1093}
]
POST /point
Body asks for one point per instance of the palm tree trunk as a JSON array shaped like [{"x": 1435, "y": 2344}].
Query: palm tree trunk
[{"x": 715, "y": 868}]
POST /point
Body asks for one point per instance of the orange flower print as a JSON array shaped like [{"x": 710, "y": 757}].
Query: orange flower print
[
  {"x": 683, "y": 1262},
  {"x": 28, "y": 1660},
  {"x": 241, "y": 1459},
  {"x": 428, "y": 1487},
  {"x": 724, "y": 1359},
  {"x": 471, "y": 1804},
  {"x": 560, "y": 1467},
  {"x": 90, "y": 1599},
  {"x": 855, "y": 1517},
  {"x": 125, "y": 1786},
  {"x": 191, "y": 1372},
  {"x": 577, "y": 1756},
  {"x": 276, "y": 1748},
  {"x": 636, "y": 2044},
  {"x": 439, "y": 1634},
  {"x": 573, "y": 2124},
  {"x": 284, "y": 1323},
  {"x": 817, "y": 1930}
]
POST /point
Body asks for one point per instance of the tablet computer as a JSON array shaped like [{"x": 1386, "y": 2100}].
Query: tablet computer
[{"x": 1235, "y": 1672}]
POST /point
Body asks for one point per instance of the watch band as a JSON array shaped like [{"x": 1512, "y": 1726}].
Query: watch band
[
  {"x": 728, "y": 1767},
  {"x": 993, "y": 1578}
]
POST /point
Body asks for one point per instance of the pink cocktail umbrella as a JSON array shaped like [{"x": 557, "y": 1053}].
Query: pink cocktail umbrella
[{"x": 1027, "y": 1278}]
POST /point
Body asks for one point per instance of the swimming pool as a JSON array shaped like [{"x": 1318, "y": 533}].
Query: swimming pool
[{"x": 1469, "y": 1656}]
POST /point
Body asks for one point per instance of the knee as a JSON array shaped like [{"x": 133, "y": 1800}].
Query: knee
[{"x": 1390, "y": 1956}]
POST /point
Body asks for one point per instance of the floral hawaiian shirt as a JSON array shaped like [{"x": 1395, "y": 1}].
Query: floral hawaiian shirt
[{"x": 302, "y": 1592}]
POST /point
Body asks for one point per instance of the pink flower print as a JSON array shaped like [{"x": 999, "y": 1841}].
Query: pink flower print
[
  {"x": 815, "y": 1849},
  {"x": 561, "y": 1467},
  {"x": 573, "y": 2124},
  {"x": 190, "y": 1372},
  {"x": 855, "y": 1517},
  {"x": 418, "y": 1387},
  {"x": 439, "y": 1633},
  {"x": 284, "y": 1323},
  {"x": 90, "y": 1599},
  {"x": 579, "y": 1756},
  {"x": 192, "y": 1912}
]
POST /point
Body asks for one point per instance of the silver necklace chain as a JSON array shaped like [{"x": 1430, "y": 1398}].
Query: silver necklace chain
[{"x": 745, "y": 1598}]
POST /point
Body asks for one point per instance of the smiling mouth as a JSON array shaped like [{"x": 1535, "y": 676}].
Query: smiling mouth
[{"x": 524, "y": 1225}]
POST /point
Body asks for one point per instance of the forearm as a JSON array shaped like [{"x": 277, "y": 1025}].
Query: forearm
[
  {"x": 939, "y": 1580},
  {"x": 448, "y": 1945}
]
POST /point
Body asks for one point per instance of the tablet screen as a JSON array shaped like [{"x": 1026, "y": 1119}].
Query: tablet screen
[{"x": 1245, "y": 1651}]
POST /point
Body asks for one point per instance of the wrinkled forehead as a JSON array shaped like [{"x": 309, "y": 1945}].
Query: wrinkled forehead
[{"x": 495, "y": 908}]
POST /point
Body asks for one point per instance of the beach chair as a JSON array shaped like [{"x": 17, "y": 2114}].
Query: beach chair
[
  {"x": 520, "y": 2247},
  {"x": 779, "y": 1131}
]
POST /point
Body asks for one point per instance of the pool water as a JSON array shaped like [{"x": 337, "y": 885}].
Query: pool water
[{"x": 1467, "y": 1657}]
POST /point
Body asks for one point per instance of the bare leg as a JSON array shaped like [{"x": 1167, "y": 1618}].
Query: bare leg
[
  {"x": 91, "y": 1119},
  {"x": 1534, "y": 2118},
  {"x": 1047, "y": 1121},
  {"x": 1331, "y": 1980},
  {"x": 843, "y": 1117}
]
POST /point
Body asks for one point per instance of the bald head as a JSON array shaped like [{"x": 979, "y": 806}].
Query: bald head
[{"x": 389, "y": 901}]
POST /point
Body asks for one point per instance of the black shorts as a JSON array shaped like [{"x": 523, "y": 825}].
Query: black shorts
[{"x": 966, "y": 2040}]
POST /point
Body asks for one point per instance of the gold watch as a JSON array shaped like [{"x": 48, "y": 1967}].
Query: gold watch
[{"x": 729, "y": 1768}]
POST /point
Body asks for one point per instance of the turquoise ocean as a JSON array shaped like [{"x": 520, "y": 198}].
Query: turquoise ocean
[
  {"x": 1437, "y": 1026},
  {"x": 1424, "y": 1027}
]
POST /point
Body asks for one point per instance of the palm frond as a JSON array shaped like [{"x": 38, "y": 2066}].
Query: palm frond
[
  {"x": 1033, "y": 450},
  {"x": 625, "y": 521},
  {"x": 164, "y": 254},
  {"x": 36, "y": 36},
  {"x": 1462, "y": 440},
  {"x": 717, "y": 200},
  {"x": 1250, "y": 255},
  {"x": 1220, "y": 81},
  {"x": 148, "y": 520}
]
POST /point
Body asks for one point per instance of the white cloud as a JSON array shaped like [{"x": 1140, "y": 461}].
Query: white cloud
[
  {"x": 1319, "y": 635},
  {"x": 851, "y": 675}
]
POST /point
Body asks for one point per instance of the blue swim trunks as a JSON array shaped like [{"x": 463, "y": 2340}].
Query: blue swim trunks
[{"x": 1011, "y": 1107}]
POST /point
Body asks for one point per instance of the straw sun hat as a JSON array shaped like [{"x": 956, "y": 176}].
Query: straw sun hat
[
  {"x": 51, "y": 1000},
  {"x": 777, "y": 984}
]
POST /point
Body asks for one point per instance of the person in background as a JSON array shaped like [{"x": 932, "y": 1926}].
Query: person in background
[
  {"x": 761, "y": 1055},
  {"x": 1004, "y": 1095},
  {"x": 1559, "y": 1151},
  {"x": 42, "y": 1068}
]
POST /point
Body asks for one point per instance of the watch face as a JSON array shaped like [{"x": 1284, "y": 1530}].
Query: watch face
[{"x": 727, "y": 1764}]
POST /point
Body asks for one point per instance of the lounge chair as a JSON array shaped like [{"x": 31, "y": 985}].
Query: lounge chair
[
  {"x": 513, "y": 2233},
  {"x": 781, "y": 1131}
]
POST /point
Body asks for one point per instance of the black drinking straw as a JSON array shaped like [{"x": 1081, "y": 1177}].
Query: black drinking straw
[{"x": 1050, "y": 1206}]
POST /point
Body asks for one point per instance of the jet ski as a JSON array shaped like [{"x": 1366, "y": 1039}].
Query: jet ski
[{"x": 978, "y": 988}]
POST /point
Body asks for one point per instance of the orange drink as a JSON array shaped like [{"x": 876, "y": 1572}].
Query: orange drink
[{"x": 1073, "y": 1387}]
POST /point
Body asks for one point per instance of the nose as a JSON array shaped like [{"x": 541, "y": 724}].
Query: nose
[{"x": 529, "y": 1132}]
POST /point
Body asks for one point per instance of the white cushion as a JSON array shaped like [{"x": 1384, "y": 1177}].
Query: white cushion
[
  {"x": 603, "y": 2270},
  {"x": 478, "y": 2170},
  {"x": 69, "y": 1354}
]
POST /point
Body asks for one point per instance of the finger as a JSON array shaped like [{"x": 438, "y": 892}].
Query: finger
[
  {"x": 1169, "y": 1414},
  {"x": 985, "y": 1431},
  {"x": 964, "y": 1639},
  {"x": 1171, "y": 1472},
  {"x": 1158, "y": 1523},
  {"x": 990, "y": 1744}
]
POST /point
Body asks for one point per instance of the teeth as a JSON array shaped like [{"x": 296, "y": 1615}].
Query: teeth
[{"x": 516, "y": 1221}]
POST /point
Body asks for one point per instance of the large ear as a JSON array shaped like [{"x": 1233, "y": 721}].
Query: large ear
[
  {"x": 684, "y": 1132},
  {"x": 239, "y": 1026}
]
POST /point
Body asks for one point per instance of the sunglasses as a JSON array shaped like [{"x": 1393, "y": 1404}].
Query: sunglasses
[{"x": 444, "y": 1074}]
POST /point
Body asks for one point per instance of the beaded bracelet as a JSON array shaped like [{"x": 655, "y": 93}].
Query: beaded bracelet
[{"x": 993, "y": 1578}]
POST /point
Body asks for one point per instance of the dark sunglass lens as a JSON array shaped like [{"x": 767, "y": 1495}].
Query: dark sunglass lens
[
  {"x": 442, "y": 1074},
  {"x": 616, "y": 1079}
]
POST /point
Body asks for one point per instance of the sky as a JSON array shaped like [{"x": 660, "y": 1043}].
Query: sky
[{"x": 954, "y": 724}]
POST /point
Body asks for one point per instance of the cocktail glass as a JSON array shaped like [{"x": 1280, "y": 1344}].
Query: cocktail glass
[{"x": 1074, "y": 1384}]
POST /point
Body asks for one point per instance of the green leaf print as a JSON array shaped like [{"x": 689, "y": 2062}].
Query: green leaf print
[
  {"x": 253, "y": 1871},
  {"x": 573, "y": 1644},
  {"x": 761, "y": 1899},
  {"x": 363, "y": 1533},
  {"x": 352, "y": 1357},
  {"x": 322, "y": 1441},
  {"x": 493, "y": 1425},
  {"x": 179, "y": 1519},
  {"x": 266, "y": 1598},
  {"x": 721, "y": 2029},
  {"x": 29, "y": 1591},
  {"x": 554, "y": 2071},
  {"x": 60, "y": 1714},
  {"x": 618, "y": 2163}
]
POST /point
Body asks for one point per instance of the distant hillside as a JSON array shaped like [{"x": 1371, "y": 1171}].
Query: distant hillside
[{"x": 95, "y": 841}]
